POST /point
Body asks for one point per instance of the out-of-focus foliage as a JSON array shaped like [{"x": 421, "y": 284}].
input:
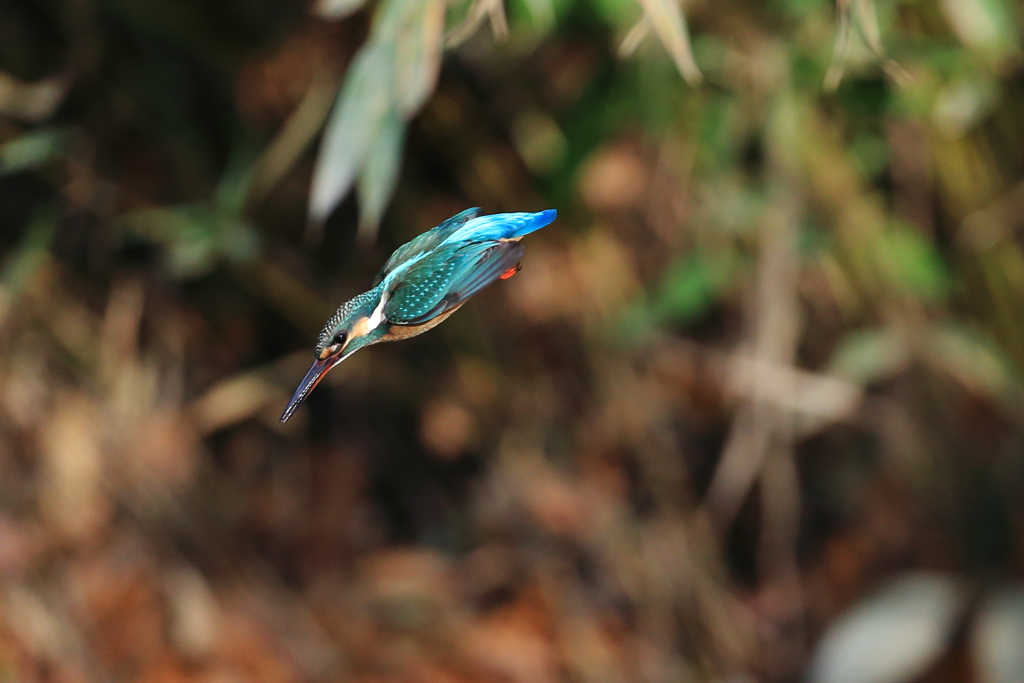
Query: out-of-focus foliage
[
  {"x": 396, "y": 70},
  {"x": 752, "y": 411}
]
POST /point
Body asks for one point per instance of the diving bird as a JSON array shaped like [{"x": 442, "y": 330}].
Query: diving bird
[{"x": 424, "y": 282}]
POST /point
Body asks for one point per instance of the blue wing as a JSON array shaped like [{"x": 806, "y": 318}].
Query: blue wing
[
  {"x": 442, "y": 268},
  {"x": 425, "y": 242},
  {"x": 452, "y": 275}
]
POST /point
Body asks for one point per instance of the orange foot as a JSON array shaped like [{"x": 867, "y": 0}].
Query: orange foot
[{"x": 511, "y": 271}]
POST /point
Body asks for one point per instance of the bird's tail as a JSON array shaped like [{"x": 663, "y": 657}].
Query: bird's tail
[{"x": 506, "y": 226}]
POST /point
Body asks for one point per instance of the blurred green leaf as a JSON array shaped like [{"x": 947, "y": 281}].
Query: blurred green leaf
[
  {"x": 987, "y": 26},
  {"x": 801, "y": 9},
  {"x": 693, "y": 285},
  {"x": 962, "y": 104},
  {"x": 390, "y": 79},
  {"x": 31, "y": 250},
  {"x": 974, "y": 360},
  {"x": 364, "y": 101},
  {"x": 380, "y": 174},
  {"x": 862, "y": 15},
  {"x": 542, "y": 14},
  {"x": 916, "y": 264},
  {"x": 418, "y": 47},
  {"x": 184, "y": 235},
  {"x": 871, "y": 152},
  {"x": 669, "y": 23},
  {"x": 618, "y": 12},
  {"x": 868, "y": 356},
  {"x": 31, "y": 150},
  {"x": 197, "y": 237},
  {"x": 539, "y": 141}
]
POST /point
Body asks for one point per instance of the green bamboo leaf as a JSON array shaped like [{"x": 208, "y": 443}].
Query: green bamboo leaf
[
  {"x": 363, "y": 103},
  {"x": 669, "y": 23},
  {"x": 863, "y": 15},
  {"x": 867, "y": 23},
  {"x": 418, "y": 56},
  {"x": 390, "y": 80},
  {"x": 379, "y": 176}
]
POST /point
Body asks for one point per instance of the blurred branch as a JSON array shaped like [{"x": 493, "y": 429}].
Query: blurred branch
[
  {"x": 297, "y": 302},
  {"x": 32, "y": 102},
  {"x": 842, "y": 45},
  {"x": 815, "y": 400},
  {"x": 758, "y": 426},
  {"x": 640, "y": 30},
  {"x": 760, "y": 443}
]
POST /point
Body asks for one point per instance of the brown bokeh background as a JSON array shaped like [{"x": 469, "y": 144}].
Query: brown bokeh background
[{"x": 752, "y": 411}]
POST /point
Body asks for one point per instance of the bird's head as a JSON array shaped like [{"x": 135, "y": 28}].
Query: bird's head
[{"x": 357, "y": 323}]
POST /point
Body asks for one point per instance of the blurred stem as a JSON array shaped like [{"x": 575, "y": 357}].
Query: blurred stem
[
  {"x": 776, "y": 323},
  {"x": 296, "y": 136},
  {"x": 760, "y": 443},
  {"x": 299, "y": 304}
]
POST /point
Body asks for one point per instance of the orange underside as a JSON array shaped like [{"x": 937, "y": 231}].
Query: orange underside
[{"x": 511, "y": 271}]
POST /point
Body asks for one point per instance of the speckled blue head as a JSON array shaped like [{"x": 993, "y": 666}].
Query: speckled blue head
[
  {"x": 352, "y": 327},
  {"x": 423, "y": 283}
]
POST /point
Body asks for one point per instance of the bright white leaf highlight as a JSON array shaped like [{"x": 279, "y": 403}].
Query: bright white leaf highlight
[{"x": 892, "y": 636}]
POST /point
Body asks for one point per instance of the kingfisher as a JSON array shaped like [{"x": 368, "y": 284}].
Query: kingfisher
[{"x": 424, "y": 282}]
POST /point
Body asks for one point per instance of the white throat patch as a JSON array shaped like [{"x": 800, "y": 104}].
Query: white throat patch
[
  {"x": 366, "y": 325},
  {"x": 377, "y": 317}
]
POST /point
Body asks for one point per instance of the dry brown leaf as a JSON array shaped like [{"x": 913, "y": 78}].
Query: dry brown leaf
[{"x": 73, "y": 494}]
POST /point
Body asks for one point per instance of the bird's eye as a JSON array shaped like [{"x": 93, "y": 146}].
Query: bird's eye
[{"x": 339, "y": 339}]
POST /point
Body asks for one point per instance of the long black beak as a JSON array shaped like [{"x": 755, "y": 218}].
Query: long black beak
[{"x": 317, "y": 372}]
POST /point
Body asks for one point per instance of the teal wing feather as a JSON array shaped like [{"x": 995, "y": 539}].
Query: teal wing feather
[
  {"x": 447, "y": 278},
  {"x": 426, "y": 242}
]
